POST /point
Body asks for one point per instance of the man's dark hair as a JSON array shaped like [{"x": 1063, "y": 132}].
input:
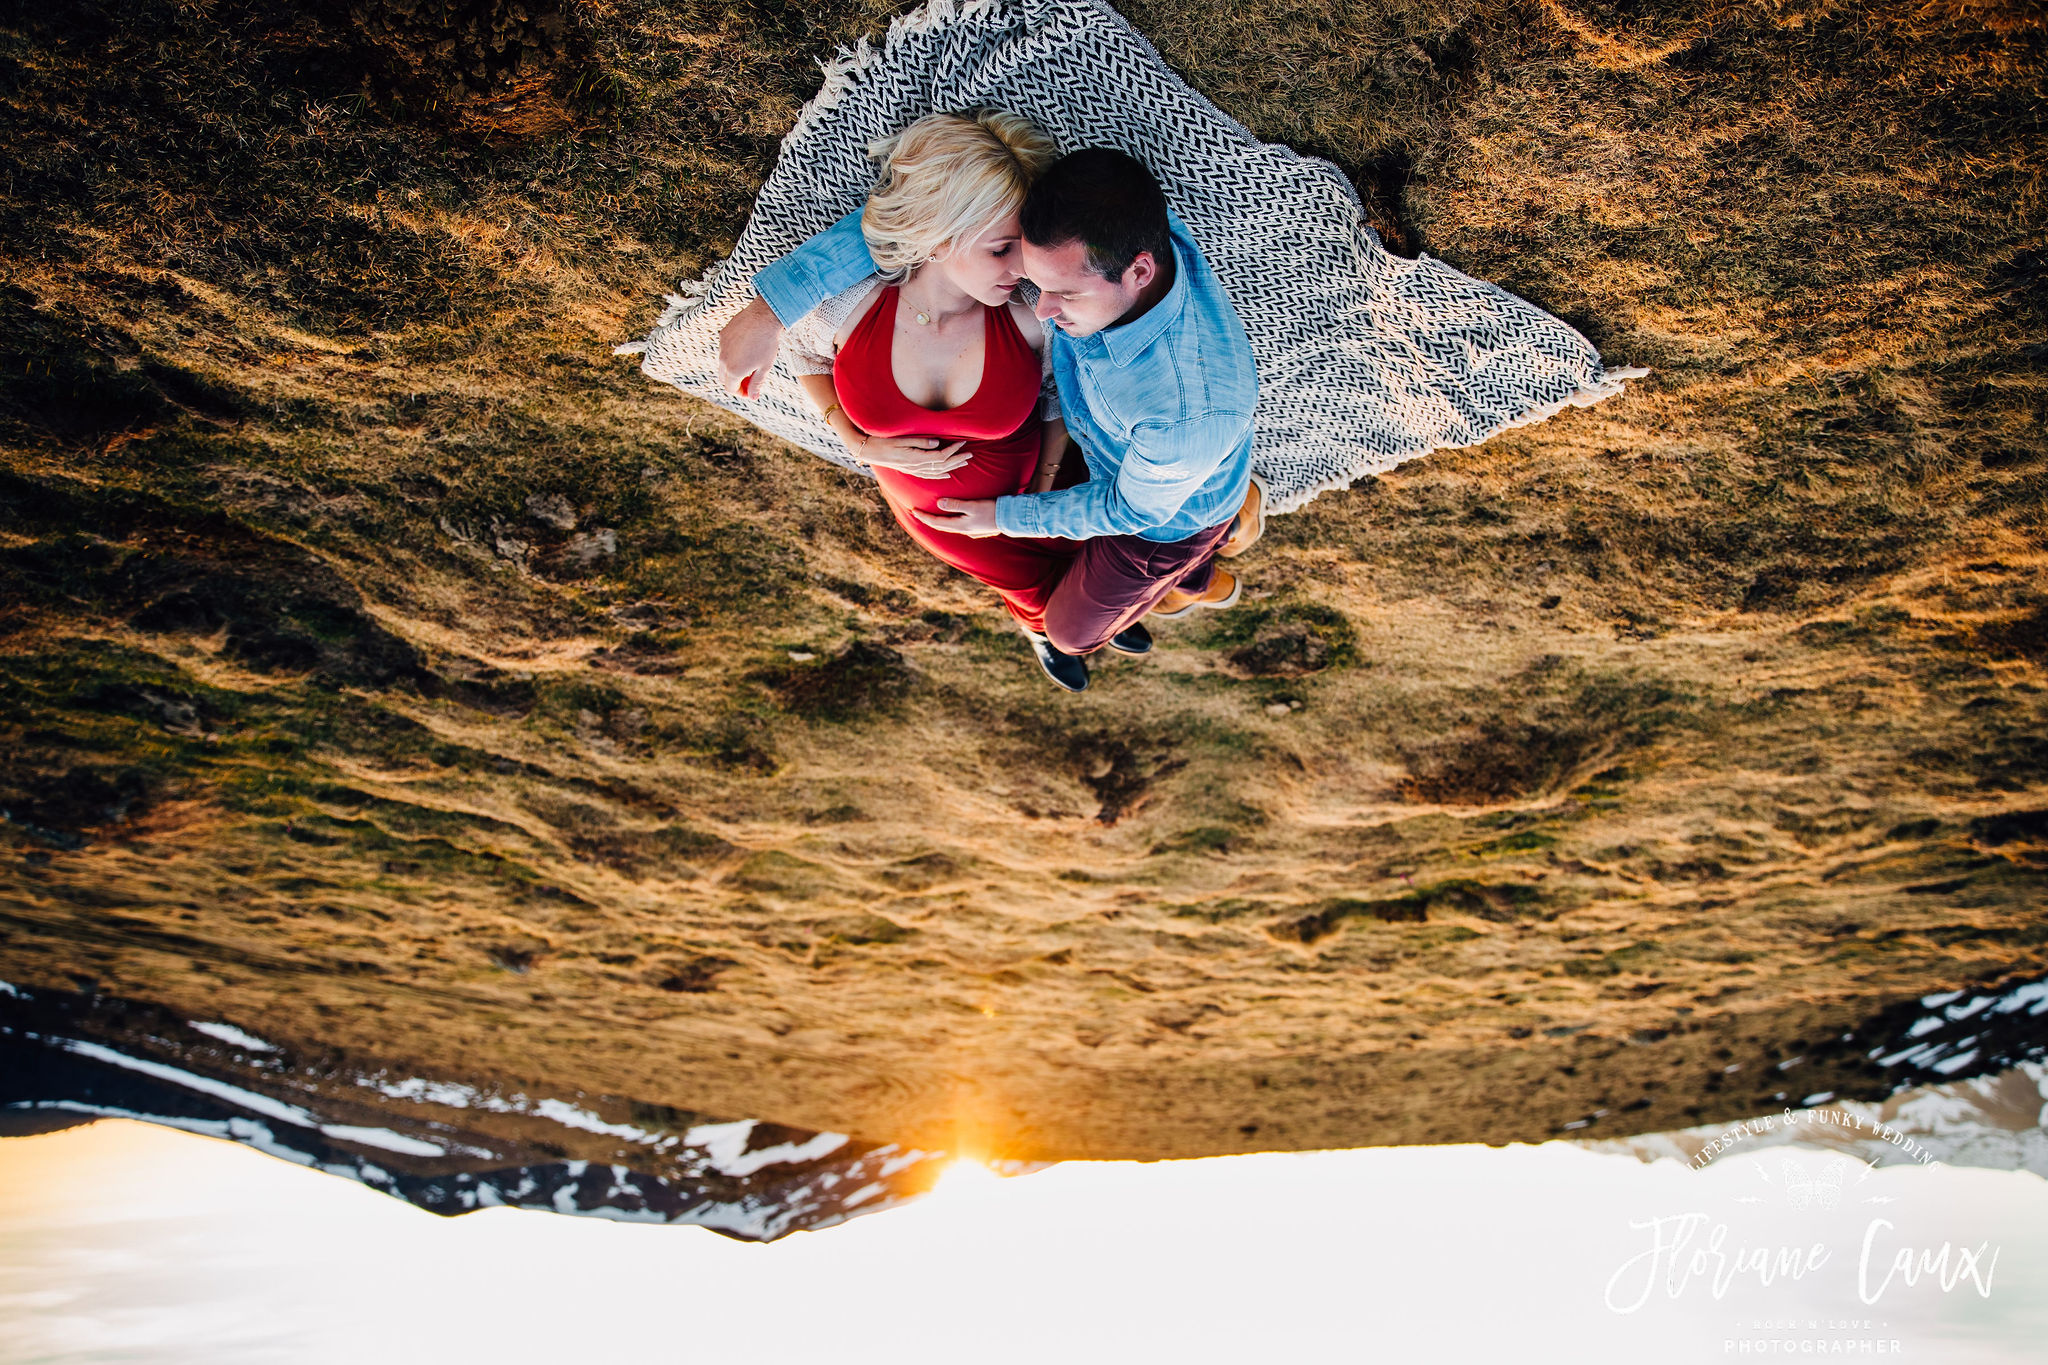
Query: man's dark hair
[{"x": 1106, "y": 199}]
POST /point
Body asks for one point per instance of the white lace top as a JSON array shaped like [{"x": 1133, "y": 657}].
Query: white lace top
[{"x": 808, "y": 342}]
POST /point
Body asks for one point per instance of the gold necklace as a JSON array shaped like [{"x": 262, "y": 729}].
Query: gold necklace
[{"x": 924, "y": 319}]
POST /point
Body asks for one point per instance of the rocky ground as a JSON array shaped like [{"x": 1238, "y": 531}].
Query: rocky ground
[{"x": 385, "y": 666}]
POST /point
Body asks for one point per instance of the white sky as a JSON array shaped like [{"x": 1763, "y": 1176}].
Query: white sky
[{"x": 127, "y": 1242}]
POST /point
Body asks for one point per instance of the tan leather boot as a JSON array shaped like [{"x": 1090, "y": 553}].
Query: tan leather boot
[
  {"x": 1224, "y": 590},
  {"x": 1250, "y": 523}
]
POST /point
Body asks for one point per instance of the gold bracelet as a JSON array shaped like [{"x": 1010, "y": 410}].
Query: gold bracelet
[{"x": 863, "y": 435}]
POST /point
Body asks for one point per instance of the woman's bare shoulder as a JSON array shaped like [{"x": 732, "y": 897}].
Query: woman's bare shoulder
[
  {"x": 1028, "y": 323},
  {"x": 856, "y": 302}
]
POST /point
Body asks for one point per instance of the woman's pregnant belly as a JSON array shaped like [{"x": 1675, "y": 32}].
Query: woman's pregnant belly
[{"x": 998, "y": 470}]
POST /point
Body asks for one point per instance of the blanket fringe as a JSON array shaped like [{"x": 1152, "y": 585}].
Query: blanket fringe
[
  {"x": 680, "y": 306},
  {"x": 847, "y": 66}
]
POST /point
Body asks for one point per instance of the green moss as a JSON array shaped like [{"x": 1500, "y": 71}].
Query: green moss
[
  {"x": 861, "y": 680},
  {"x": 1285, "y": 640},
  {"x": 1636, "y": 957},
  {"x": 862, "y": 930},
  {"x": 1529, "y": 841},
  {"x": 1203, "y": 839},
  {"x": 1219, "y": 911},
  {"x": 1330, "y": 915},
  {"x": 779, "y": 873}
]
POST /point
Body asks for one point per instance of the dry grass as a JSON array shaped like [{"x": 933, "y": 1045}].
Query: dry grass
[{"x": 388, "y": 665}]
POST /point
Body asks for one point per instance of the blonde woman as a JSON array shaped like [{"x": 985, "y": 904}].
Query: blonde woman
[{"x": 929, "y": 371}]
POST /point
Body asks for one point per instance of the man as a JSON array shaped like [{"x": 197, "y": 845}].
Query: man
[{"x": 1156, "y": 384}]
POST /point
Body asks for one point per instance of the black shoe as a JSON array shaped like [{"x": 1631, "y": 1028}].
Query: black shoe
[
  {"x": 1133, "y": 639},
  {"x": 1069, "y": 671}
]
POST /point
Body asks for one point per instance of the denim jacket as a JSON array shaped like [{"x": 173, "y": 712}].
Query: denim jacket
[{"x": 1162, "y": 406}]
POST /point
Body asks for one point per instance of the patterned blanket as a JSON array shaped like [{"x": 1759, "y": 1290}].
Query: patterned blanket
[{"x": 1365, "y": 359}]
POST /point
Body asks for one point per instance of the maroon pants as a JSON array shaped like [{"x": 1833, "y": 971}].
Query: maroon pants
[{"x": 1114, "y": 580}]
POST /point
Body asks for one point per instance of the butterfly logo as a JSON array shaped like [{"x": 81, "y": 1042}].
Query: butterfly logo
[{"x": 1806, "y": 1190}]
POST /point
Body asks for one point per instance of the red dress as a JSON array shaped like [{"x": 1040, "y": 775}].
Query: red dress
[{"x": 1001, "y": 427}]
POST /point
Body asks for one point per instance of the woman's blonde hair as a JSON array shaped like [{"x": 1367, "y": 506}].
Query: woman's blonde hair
[{"x": 944, "y": 179}]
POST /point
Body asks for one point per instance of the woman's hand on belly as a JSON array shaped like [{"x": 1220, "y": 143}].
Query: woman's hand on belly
[{"x": 921, "y": 457}]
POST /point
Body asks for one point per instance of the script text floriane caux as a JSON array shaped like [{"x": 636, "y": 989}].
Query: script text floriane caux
[{"x": 1691, "y": 1248}]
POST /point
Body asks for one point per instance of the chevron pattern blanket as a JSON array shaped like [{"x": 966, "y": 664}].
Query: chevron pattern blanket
[{"x": 1364, "y": 359}]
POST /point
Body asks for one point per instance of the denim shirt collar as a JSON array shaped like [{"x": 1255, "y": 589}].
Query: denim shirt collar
[{"x": 1126, "y": 343}]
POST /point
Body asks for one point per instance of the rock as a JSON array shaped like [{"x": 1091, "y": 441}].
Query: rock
[
  {"x": 552, "y": 509},
  {"x": 585, "y": 548}
]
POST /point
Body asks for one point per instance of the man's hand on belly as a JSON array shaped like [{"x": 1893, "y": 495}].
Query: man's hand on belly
[{"x": 961, "y": 516}]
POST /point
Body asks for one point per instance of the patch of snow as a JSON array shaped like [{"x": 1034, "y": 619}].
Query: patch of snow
[
  {"x": 718, "y": 1134},
  {"x": 247, "y": 1131},
  {"x": 2034, "y": 993},
  {"x": 725, "y": 1144},
  {"x": 1956, "y": 1063},
  {"x": 625, "y": 1215},
  {"x": 902, "y": 1161},
  {"x": 1939, "y": 1109},
  {"x": 1915, "y": 1055},
  {"x": 449, "y": 1093},
  {"x": 734, "y": 1218},
  {"x": 232, "y": 1036},
  {"x": 381, "y": 1137},
  {"x": 204, "y": 1085},
  {"x": 569, "y": 1116}
]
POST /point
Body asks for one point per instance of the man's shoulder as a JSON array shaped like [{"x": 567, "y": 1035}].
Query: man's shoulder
[
  {"x": 1196, "y": 367},
  {"x": 1202, "y": 365},
  {"x": 1208, "y": 334}
]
